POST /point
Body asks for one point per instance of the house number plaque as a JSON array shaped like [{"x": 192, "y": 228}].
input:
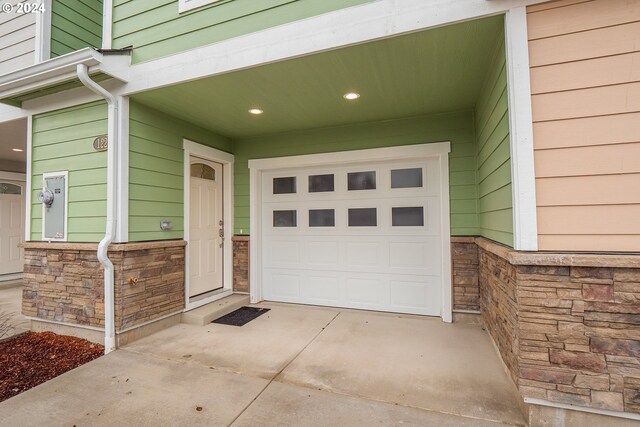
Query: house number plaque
[{"x": 101, "y": 143}]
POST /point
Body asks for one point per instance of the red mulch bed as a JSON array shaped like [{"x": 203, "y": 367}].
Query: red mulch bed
[{"x": 35, "y": 357}]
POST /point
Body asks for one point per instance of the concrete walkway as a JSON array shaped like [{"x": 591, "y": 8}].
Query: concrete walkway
[
  {"x": 11, "y": 302},
  {"x": 295, "y": 365}
]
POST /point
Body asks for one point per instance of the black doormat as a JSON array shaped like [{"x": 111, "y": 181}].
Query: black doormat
[{"x": 241, "y": 316}]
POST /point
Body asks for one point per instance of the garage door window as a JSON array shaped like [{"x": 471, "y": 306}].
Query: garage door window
[
  {"x": 361, "y": 180},
  {"x": 285, "y": 218},
  {"x": 406, "y": 178},
  {"x": 363, "y": 217},
  {"x": 285, "y": 185},
  {"x": 322, "y": 218},
  {"x": 320, "y": 183},
  {"x": 407, "y": 217}
]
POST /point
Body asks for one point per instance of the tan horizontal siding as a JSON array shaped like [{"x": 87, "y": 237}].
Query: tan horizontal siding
[
  {"x": 595, "y": 160},
  {"x": 581, "y": 17},
  {"x": 585, "y": 45},
  {"x": 553, "y": 5},
  {"x": 585, "y": 81},
  {"x": 588, "y": 190},
  {"x": 587, "y": 242},
  {"x": 586, "y": 74},
  {"x": 590, "y": 219},
  {"x": 598, "y": 101},
  {"x": 582, "y": 132}
]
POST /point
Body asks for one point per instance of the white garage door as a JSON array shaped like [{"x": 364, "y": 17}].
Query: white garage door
[{"x": 365, "y": 236}]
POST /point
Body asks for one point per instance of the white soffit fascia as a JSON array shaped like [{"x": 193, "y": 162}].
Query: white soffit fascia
[
  {"x": 344, "y": 27},
  {"x": 60, "y": 70}
]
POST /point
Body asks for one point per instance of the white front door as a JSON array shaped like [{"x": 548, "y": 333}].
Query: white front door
[
  {"x": 205, "y": 225},
  {"x": 367, "y": 236},
  {"x": 11, "y": 226}
]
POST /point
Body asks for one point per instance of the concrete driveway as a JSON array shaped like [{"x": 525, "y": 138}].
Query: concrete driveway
[{"x": 295, "y": 365}]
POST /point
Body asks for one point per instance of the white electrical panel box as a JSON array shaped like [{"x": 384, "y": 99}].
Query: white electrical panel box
[{"x": 54, "y": 205}]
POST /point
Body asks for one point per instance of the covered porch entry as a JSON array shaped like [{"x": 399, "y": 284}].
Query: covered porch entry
[{"x": 330, "y": 202}]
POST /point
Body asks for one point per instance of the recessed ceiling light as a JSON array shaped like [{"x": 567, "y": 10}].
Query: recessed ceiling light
[
  {"x": 256, "y": 111},
  {"x": 19, "y": 150},
  {"x": 351, "y": 96}
]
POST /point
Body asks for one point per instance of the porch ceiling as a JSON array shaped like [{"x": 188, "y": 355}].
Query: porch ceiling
[
  {"x": 14, "y": 136},
  {"x": 431, "y": 71}
]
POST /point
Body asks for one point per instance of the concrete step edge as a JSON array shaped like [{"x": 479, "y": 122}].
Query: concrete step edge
[{"x": 215, "y": 310}]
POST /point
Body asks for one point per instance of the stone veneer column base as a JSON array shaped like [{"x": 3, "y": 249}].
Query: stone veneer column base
[
  {"x": 240, "y": 264},
  {"x": 567, "y": 327},
  {"x": 64, "y": 288},
  {"x": 464, "y": 263}
]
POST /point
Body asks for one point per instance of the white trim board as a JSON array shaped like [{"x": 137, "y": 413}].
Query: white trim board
[
  {"x": 29, "y": 183},
  {"x": 187, "y": 5},
  {"x": 344, "y": 27},
  {"x": 417, "y": 151},
  {"x": 192, "y": 148},
  {"x": 43, "y": 33},
  {"x": 525, "y": 225},
  {"x": 122, "y": 172},
  {"x": 107, "y": 23}
]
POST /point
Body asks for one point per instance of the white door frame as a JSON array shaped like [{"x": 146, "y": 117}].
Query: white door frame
[
  {"x": 20, "y": 179},
  {"x": 194, "y": 149},
  {"x": 407, "y": 152}
]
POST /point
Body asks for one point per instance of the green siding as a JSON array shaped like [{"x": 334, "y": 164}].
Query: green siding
[
  {"x": 493, "y": 154},
  {"x": 156, "y": 28},
  {"x": 63, "y": 140},
  {"x": 75, "y": 24},
  {"x": 455, "y": 127},
  {"x": 156, "y": 171}
]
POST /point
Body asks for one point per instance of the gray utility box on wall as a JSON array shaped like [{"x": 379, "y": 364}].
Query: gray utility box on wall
[{"x": 54, "y": 211}]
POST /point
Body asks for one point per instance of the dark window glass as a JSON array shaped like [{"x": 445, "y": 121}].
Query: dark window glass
[
  {"x": 200, "y": 170},
  {"x": 286, "y": 185},
  {"x": 6, "y": 188},
  {"x": 406, "y": 178},
  {"x": 320, "y": 183},
  {"x": 322, "y": 218},
  {"x": 361, "y": 180},
  {"x": 285, "y": 218},
  {"x": 362, "y": 217},
  {"x": 407, "y": 217}
]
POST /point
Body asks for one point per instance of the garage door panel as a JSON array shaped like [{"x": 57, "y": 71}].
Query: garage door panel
[
  {"x": 424, "y": 294},
  {"x": 321, "y": 289},
  {"x": 282, "y": 285},
  {"x": 388, "y": 261},
  {"x": 366, "y": 292},
  {"x": 321, "y": 253},
  {"x": 364, "y": 254},
  {"x": 283, "y": 252}
]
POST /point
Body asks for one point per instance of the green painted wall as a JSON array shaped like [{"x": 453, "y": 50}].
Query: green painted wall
[
  {"x": 63, "y": 140},
  {"x": 75, "y": 24},
  {"x": 493, "y": 154},
  {"x": 156, "y": 28},
  {"x": 455, "y": 127},
  {"x": 156, "y": 171}
]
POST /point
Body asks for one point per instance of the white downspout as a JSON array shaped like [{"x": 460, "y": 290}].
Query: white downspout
[{"x": 112, "y": 138}]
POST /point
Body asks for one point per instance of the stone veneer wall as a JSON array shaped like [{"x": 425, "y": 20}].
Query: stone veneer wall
[
  {"x": 464, "y": 259},
  {"x": 567, "y": 325},
  {"x": 498, "y": 305},
  {"x": 63, "y": 282},
  {"x": 241, "y": 264}
]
